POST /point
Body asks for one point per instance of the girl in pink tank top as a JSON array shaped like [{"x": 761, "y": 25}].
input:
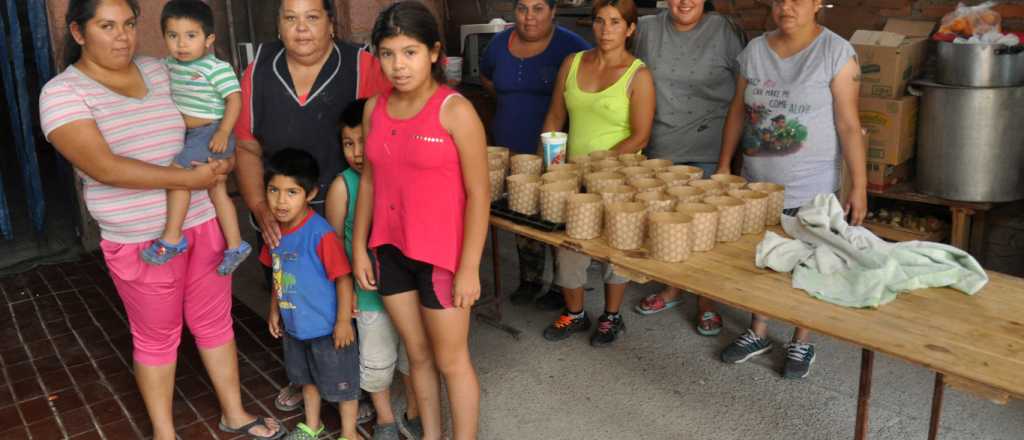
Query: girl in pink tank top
[{"x": 424, "y": 189}]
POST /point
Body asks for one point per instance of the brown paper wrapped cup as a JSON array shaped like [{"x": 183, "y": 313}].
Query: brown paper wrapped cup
[
  {"x": 530, "y": 164},
  {"x": 630, "y": 160},
  {"x": 552, "y": 200},
  {"x": 658, "y": 165},
  {"x": 686, "y": 194},
  {"x": 695, "y": 173},
  {"x": 583, "y": 216},
  {"x": 565, "y": 168},
  {"x": 704, "y": 229},
  {"x": 635, "y": 171},
  {"x": 497, "y": 178},
  {"x": 605, "y": 165},
  {"x": 501, "y": 151},
  {"x": 600, "y": 155},
  {"x": 756, "y": 209},
  {"x": 624, "y": 225},
  {"x": 669, "y": 236},
  {"x": 618, "y": 194},
  {"x": 731, "y": 212},
  {"x": 656, "y": 201},
  {"x": 672, "y": 178},
  {"x": 595, "y": 182},
  {"x": 647, "y": 184},
  {"x": 561, "y": 176},
  {"x": 730, "y": 181},
  {"x": 496, "y": 161},
  {"x": 524, "y": 193},
  {"x": 711, "y": 188},
  {"x": 776, "y": 200}
]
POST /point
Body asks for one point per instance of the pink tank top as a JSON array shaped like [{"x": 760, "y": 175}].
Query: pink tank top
[{"x": 419, "y": 200}]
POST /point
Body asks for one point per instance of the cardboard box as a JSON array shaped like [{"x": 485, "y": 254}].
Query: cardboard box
[
  {"x": 893, "y": 127},
  {"x": 882, "y": 176},
  {"x": 891, "y": 57}
]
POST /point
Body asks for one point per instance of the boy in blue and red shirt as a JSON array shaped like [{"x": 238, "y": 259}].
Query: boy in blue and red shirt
[{"x": 312, "y": 295}]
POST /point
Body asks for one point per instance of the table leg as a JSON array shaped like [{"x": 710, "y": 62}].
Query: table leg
[
  {"x": 979, "y": 223},
  {"x": 867, "y": 366},
  {"x": 494, "y": 318},
  {"x": 937, "y": 395},
  {"x": 960, "y": 236}
]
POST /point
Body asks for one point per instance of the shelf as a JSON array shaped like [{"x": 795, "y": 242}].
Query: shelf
[{"x": 899, "y": 233}]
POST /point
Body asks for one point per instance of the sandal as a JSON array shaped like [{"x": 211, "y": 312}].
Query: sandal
[
  {"x": 260, "y": 421},
  {"x": 709, "y": 324},
  {"x": 653, "y": 304},
  {"x": 289, "y": 398}
]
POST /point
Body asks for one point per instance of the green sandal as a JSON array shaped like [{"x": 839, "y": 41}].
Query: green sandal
[{"x": 304, "y": 432}]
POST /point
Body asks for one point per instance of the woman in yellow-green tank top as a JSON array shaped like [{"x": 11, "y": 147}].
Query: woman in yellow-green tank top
[
  {"x": 607, "y": 97},
  {"x": 605, "y": 94}
]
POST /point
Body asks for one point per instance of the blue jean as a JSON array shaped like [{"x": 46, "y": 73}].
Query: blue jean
[{"x": 197, "y": 146}]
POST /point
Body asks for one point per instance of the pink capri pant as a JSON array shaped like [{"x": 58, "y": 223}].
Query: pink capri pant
[{"x": 159, "y": 298}]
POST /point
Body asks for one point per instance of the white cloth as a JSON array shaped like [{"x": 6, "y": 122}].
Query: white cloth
[{"x": 850, "y": 266}]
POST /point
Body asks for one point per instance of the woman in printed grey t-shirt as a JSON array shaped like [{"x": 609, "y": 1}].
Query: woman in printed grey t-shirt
[
  {"x": 692, "y": 56},
  {"x": 795, "y": 105}
]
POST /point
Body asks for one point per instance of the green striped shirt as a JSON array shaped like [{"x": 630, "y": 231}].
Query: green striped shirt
[{"x": 199, "y": 87}]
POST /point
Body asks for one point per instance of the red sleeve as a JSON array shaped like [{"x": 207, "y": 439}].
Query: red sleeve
[
  {"x": 265, "y": 256},
  {"x": 243, "y": 126},
  {"x": 372, "y": 80},
  {"x": 332, "y": 254}
]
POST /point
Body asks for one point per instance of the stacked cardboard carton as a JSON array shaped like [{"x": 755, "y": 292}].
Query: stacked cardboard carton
[{"x": 889, "y": 59}]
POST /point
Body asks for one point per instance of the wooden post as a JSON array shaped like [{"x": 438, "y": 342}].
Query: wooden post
[
  {"x": 867, "y": 366},
  {"x": 937, "y": 394}
]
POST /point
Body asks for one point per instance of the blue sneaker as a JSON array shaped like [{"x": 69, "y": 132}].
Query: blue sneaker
[
  {"x": 160, "y": 252},
  {"x": 233, "y": 257},
  {"x": 745, "y": 347},
  {"x": 799, "y": 358}
]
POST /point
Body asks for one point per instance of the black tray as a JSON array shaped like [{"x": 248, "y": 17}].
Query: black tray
[{"x": 500, "y": 209}]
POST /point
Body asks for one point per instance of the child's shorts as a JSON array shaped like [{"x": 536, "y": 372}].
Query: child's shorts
[
  {"x": 397, "y": 273},
  {"x": 315, "y": 362},
  {"x": 197, "y": 146}
]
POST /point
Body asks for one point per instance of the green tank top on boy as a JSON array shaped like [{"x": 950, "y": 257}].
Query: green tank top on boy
[
  {"x": 597, "y": 120},
  {"x": 366, "y": 300}
]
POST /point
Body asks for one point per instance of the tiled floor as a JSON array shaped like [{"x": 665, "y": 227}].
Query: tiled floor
[{"x": 65, "y": 348}]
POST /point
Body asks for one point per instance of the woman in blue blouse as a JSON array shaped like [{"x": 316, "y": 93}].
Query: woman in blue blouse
[{"x": 519, "y": 67}]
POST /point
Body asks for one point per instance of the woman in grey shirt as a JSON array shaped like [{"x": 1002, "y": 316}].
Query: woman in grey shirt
[
  {"x": 794, "y": 113},
  {"x": 692, "y": 56}
]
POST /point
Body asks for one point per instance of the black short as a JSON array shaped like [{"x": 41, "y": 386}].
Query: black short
[
  {"x": 315, "y": 362},
  {"x": 397, "y": 273}
]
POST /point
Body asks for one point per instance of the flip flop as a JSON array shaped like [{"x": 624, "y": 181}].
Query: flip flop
[
  {"x": 653, "y": 304},
  {"x": 260, "y": 421},
  {"x": 281, "y": 402}
]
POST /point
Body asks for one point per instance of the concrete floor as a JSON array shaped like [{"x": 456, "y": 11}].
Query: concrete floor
[{"x": 664, "y": 381}]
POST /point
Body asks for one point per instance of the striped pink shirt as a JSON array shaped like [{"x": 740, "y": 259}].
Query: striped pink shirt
[{"x": 148, "y": 129}]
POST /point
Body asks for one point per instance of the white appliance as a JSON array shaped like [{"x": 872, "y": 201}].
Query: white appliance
[{"x": 474, "y": 39}]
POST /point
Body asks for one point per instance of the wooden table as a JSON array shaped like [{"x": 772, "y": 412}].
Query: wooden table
[
  {"x": 968, "y": 218},
  {"x": 975, "y": 343}
]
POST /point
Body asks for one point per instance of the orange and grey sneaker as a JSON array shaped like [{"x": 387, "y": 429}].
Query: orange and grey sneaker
[{"x": 566, "y": 325}]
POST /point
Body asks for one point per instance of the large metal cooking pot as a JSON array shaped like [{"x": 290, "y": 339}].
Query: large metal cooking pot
[
  {"x": 970, "y": 142},
  {"x": 980, "y": 65}
]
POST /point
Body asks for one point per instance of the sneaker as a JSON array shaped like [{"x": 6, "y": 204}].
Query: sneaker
[
  {"x": 607, "y": 331},
  {"x": 565, "y": 326},
  {"x": 303, "y": 432},
  {"x": 525, "y": 293},
  {"x": 386, "y": 432},
  {"x": 799, "y": 358},
  {"x": 233, "y": 257},
  {"x": 160, "y": 252},
  {"x": 745, "y": 347},
  {"x": 709, "y": 324},
  {"x": 411, "y": 429},
  {"x": 553, "y": 300}
]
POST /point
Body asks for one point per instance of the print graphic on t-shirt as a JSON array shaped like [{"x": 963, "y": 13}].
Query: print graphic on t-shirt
[
  {"x": 284, "y": 283},
  {"x": 773, "y": 129}
]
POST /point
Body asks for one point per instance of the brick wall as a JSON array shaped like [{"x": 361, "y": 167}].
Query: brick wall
[{"x": 847, "y": 16}]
